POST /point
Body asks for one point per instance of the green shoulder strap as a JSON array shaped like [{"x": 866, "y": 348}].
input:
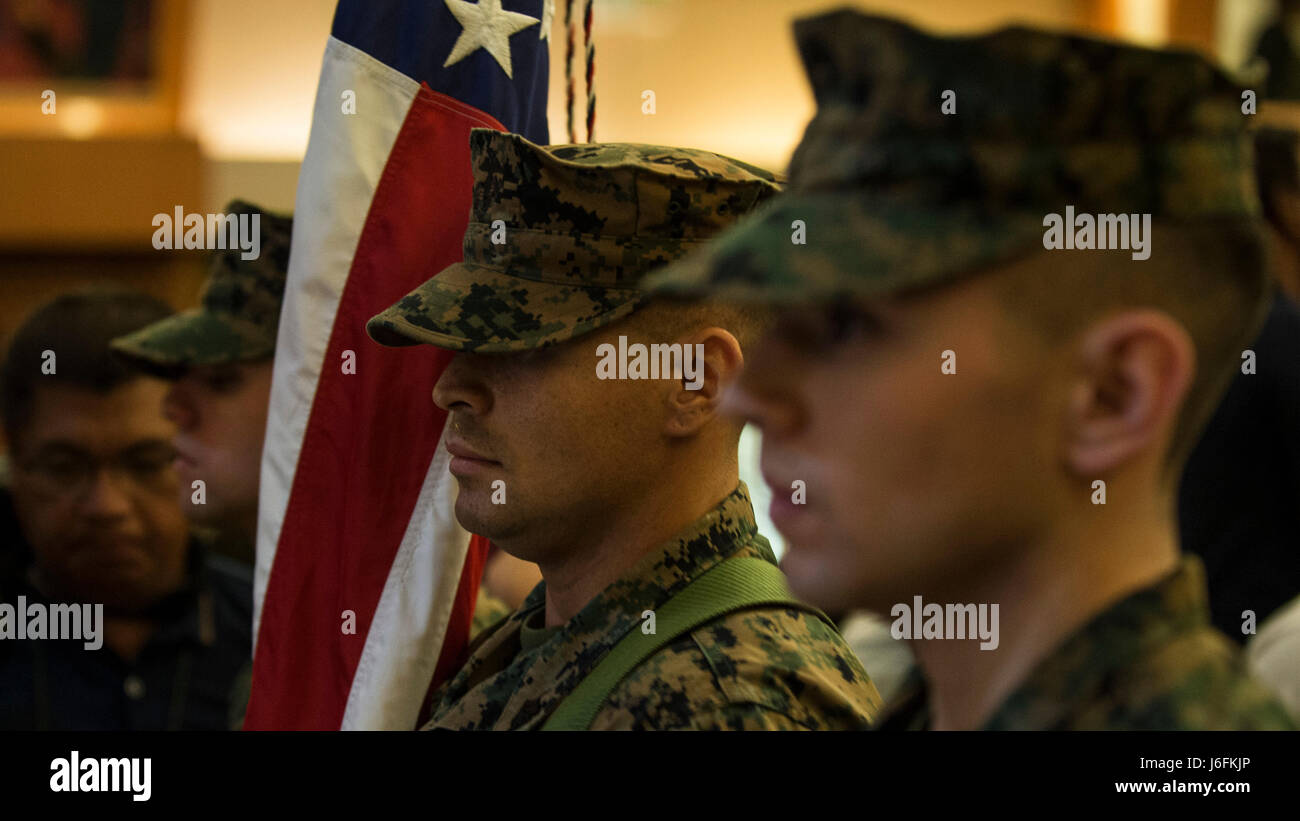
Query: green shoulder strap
[{"x": 734, "y": 584}]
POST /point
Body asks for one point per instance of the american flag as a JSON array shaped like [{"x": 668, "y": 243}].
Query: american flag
[{"x": 356, "y": 516}]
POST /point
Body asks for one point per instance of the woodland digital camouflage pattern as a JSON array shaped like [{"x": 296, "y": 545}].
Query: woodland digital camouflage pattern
[
  {"x": 1151, "y": 662},
  {"x": 582, "y": 225},
  {"x": 759, "y": 669},
  {"x": 238, "y": 313},
  {"x": 894, "y": 194}
]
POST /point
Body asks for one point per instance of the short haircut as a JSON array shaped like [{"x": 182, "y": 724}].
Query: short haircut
[
  {"x": 77, "y": 326},
  {"x": 1211, "y": 277},
  {"x": 670, "y": 318}
]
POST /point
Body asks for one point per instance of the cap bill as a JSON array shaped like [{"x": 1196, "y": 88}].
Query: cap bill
[
  {"x": 852, "y": 244},
  {"x": 473, "y": 308},
  {"x": 191, "y": 338}
]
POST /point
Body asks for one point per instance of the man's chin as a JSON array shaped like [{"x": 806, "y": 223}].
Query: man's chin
[
  {"x": 221, "y": 513},
  {"x": 121, "y": 589},
  {"x": 481, "y": 517},
  {"x": 203, "y": 513},
  {"x": 816, "y": 580}
]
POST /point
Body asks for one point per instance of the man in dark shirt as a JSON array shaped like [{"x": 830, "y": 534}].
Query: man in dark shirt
[
  {"x": 91, "y": 520},
  {"x": 1239, "y": 500}
]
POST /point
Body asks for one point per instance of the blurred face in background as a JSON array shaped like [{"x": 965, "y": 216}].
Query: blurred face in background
[
  {"x": 220, "y": 417},
  {"x": 94, "y": 490}
]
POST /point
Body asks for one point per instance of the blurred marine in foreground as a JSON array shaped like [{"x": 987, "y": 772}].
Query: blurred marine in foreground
[{"x": 986, "y": 426}]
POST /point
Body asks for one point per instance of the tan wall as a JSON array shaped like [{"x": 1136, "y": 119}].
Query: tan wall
[
  {"x": 725, "y": 70},
  {"x": 726, "y": 74},
  {"x": 79, "y": 212},
  {"x": 30, "y": 279}
]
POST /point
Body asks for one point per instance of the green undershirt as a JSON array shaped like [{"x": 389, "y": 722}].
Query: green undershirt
[{"x": 533, "y": 633}]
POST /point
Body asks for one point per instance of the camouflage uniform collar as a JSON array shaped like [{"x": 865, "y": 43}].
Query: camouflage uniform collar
[
  {"x": 1086, "y": 662},
  {"x": 499, "y": 669},
  {"x": 672, "y": 565},
  {"x": 1112, "y": 641}
]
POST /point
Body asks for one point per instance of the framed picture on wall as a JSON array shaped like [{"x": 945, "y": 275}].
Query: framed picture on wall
[{"x": 83, "y": 68}]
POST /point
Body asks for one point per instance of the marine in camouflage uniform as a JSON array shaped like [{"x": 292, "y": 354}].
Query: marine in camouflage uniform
[
  {"x": 584, "y": 224},
  {"x": 897, "y": 194},
  {"x": 234, "y": 324}
]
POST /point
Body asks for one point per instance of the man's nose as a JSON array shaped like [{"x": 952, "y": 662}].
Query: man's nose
[
  {"x": 107, "y": 496},
  {"x": 178, "y": 407},
  {"x": 761, "y": 398},
  {"x": 461, "y": 386}
]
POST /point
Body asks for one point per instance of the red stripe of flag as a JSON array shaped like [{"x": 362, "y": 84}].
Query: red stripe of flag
[{"x": 369, "y": 439}]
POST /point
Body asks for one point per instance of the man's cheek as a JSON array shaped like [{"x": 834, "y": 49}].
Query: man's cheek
[{"x": 62, "y": 533}]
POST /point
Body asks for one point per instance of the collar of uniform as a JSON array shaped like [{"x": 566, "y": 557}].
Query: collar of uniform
[
  {"x": 672, "y": 565},
  {"x": 500, "y": 666},
  {"x": 1084, "y": 662},
  {"x": 1120, "y": 635},
  {"x": 533, "y": 632}
]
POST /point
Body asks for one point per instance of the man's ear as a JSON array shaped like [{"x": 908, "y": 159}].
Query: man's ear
[
  {"x": 711, "y": 360},
  {"x": 1133, "y": 370}
]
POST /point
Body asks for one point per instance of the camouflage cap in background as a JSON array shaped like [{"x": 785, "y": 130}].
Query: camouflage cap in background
[
  {"x": 582, "y": 225},
  {"x": 895, "y": 194},
  {"x": 238, "y": 313}
]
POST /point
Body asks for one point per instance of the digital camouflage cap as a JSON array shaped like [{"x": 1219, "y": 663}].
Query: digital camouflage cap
[
  {"x": 239, "y": 310},
  {"x": 892, "y": 193},
  {"x": 560, "y": 237}
]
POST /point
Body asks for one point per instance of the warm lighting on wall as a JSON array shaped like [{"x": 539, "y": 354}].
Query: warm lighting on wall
[
  {"x": 1143, "y": 21},
  {"x": 80, "y": 117}
]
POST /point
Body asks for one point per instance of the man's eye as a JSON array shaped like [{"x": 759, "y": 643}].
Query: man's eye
[
  {"x": 535, "y": 357},
  {"x": 846, "y": 322},
  {"x": 221, "y": 381},
  {"x": 148, "y": 461},
  {"x": 836, "y": 324},
  {"x": 62, "y": 467}
]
